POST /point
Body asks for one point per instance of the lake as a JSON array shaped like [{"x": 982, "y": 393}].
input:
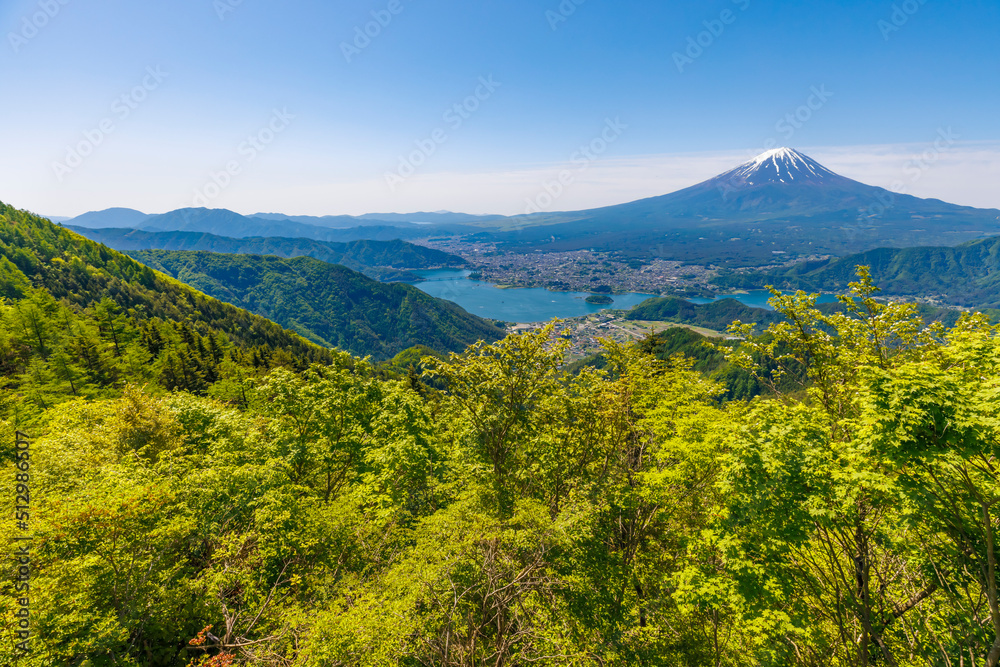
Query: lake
[
  {"x": 540, "y": 305},
  {"x": 757, "y": 299},
  {"x": 514, "y": 305}
]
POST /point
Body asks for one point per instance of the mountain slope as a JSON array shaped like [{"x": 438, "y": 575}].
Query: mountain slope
[
  {"x": 35, "y": 253},
  {"x": 966, "y": 275},
  {"x": 780, "y": 202},
  {"x": 717, "y": 315},
  {"x": 112, "y": 217},
  {"x": 380, "y": 260},
  {"x": 326, "y": 303}
]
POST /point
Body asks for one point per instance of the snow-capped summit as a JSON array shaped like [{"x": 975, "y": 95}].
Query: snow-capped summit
[
  {"x": 781, "y": 182},
  {"x": 781, "y": 165}
]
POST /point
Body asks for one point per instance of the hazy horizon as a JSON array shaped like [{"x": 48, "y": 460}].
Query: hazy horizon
[{"x": 638, "y": 177}]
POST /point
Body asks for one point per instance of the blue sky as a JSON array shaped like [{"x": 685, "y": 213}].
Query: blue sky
[{"x": 254, "y": 105}]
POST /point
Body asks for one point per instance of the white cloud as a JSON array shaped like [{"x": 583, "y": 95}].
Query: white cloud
[{"x": 966, "y": 174}]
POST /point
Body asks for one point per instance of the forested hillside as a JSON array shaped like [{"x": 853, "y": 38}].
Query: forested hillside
[
  {"x": 326, "y": 303},
  {"x": 497, "y": 509},
  {"x": 34, "y": 253},
  {"x": 79, "y": 318},
  {"x": 966, "y": 275},
  {"x": 717, "y": 315},
  {"x": 381, "y": 260}
]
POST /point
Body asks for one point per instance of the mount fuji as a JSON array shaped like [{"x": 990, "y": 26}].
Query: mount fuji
[
  {"x": 781, "y": 202},
  {"x": 779, "y": 164}
]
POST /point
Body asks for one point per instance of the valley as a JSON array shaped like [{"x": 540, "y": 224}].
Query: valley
[
  {"x": 328, "y": 304},
  {"x": 586, "y": 270},
  {"x": 586, "y": 333}
]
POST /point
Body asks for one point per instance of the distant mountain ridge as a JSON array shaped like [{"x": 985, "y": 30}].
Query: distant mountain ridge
[
  {"x": 331, "y": 221},
  {"x": 112, "y": 217},
  {"x": 380, "y": 260},
  {"x": 223, "y": 222},
  {"x": 393, "y": 219},
  {"x": 328, "y": 304},
  {"x": 436, "y": 218}
]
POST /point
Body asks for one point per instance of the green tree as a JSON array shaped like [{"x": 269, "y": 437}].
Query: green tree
[
  {"x": 935, "y": 419},
  {"x": 323, "y": 421},
  {"x": 497, "y": 394},
  {"x": 814, "y": 507}
]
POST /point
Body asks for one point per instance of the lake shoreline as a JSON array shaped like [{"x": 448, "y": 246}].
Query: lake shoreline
[
  {"x": 509, "y": 303},
  {"x": 533, "y": 305}
]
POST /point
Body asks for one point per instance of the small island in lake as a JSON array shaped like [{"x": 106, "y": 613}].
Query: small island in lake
[{"x": 599, "y": 299}]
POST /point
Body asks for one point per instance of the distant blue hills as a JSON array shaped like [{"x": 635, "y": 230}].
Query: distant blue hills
[{"x": 228, "y": 223}]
